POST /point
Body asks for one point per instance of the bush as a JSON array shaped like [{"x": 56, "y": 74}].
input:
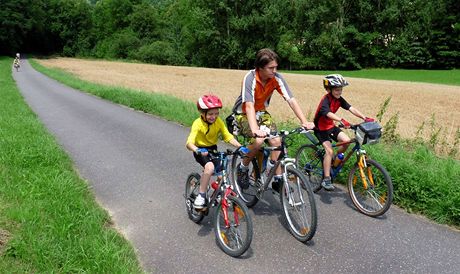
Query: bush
[{"x": 160, "y": 52}]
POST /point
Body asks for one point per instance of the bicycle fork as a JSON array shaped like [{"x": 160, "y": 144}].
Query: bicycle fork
[
  {"x": 225, "y": 206},
  {"x": 362, "y": 164},
  {"x": 290, "y": 162}
]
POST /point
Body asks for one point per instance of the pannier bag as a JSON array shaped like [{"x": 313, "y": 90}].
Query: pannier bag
[
  {"x": 231, "y": 124},
  {"x": 368, "y": 133}
]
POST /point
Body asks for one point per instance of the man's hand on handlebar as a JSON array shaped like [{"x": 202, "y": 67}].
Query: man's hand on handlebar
[
  {"x": 262, "y": 132},
  {"x": 308, "y": 125}
]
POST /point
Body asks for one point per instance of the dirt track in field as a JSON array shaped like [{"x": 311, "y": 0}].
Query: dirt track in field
[{"x": 415, "y": 102}]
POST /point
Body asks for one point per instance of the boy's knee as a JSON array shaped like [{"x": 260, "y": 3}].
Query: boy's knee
[
  {"x": 209, "y": 168},
  {"x": 329, "y": 151}
]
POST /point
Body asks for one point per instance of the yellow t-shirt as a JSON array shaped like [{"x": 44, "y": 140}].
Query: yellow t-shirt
[{"x": 203, "y": 134}]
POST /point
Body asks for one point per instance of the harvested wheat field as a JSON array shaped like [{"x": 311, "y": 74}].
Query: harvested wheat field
[{"x": 415, "y": 102}]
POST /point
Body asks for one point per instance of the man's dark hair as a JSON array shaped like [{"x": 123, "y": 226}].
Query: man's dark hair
[{"x": 265, "y": 56}]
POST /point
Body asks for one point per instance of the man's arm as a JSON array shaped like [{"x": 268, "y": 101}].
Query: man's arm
[{"x": 298, "y": 112}]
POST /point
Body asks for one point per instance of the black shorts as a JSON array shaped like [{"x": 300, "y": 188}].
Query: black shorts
[
  {"x": 203, "y": 160},
  {"x": 328, "y": 135}
]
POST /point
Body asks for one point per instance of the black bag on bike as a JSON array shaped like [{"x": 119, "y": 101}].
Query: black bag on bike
[
  {"x": 231, "y": 124},
  {"x": 369, "y": 133}
]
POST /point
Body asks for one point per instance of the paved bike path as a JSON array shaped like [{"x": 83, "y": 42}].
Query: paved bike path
[{"x": 137, "y": 164}]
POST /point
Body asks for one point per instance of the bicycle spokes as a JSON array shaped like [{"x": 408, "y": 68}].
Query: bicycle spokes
[
  {"x": 298, "y": 205},
  {"x": 233, "y": 226},
  {"x": 370, "y": 188}
]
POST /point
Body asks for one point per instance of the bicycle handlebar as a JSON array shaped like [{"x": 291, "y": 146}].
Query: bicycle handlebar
[
  {"x": 353, "y": 127},
  {"x": 281, "y": 133},
  {"x": 228, "y": 152}
]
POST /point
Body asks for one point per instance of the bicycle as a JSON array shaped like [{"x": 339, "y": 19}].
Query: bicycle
[
  {"x": 296, "y": 195},
  {"x": 369, "y": 183},
  {"x": 231, "y": 220}
]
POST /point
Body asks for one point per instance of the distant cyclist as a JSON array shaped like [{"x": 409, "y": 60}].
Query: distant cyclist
[
  {"x": 325, "y": 129},
  {"x": 203, "y": 139},
  {"x": 16, "y": 62}
]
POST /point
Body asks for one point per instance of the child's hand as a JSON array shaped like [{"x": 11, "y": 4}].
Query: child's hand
[
  {"x": 368, "y": 119},
  {"x": 243, "y": 150},
  {"x": 345, "y": 123},
  {"x": 202, "y": 151}
]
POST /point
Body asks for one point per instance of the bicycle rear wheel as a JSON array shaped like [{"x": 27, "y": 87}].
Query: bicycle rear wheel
[
  {"x": 299, "y": 207},
  {"x": 248, "y": 195},
  {"x": 235, "y": 238},
  {"x": 192, "y": 187},
  {"x": 309, "y": 160},
  {"x": 374, "y": 196}
]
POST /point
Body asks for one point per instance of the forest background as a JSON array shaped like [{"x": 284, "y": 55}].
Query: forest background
[{"x": 307, "y": 34}]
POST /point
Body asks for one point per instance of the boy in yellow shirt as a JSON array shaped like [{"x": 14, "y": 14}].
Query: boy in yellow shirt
[{"x": 203, "y": 139}]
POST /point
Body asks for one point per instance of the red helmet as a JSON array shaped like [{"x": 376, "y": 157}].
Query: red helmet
[{"x": 207, "y": 102}]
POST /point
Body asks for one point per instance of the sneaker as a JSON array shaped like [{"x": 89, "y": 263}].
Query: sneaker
[
  {"x": 327, "y": 184},
  {"x": 199, "y": 201},
  {"x": 243, "y": 177}
]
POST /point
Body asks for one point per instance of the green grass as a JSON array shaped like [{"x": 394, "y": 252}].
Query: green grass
[
  {"x": 423, "y": 182},
  {"x": 49, "y": 220},
  {"x": 446, "y": 77}
]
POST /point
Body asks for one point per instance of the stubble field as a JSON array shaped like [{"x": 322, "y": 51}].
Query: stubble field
[{"x": 415, "y": 102}]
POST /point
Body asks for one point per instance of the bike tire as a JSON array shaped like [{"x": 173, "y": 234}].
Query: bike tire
[
  {"x": 249, "y": 195},
  {"x": 192, "y": 187},
  {"x": 378, "y": 197},
  {"x": 310, "y": 162},
  {"x": 235, "y": 239},
  {"x": 299, "y": 206}
]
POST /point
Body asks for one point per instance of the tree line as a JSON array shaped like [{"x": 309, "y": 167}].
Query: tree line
[{"x": 307, "y": 34}]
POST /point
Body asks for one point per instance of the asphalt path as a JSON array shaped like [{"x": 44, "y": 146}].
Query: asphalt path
[{"x": 136, "y": 165}]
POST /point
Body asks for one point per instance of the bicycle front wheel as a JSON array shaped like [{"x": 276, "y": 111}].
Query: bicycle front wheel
[
  {"x": 248, "y": 195},
  {"x": 192, "y": 187},
  {"x": 299, "y": 207},
  {"x": 371, "y": 191},
  {"x": 233, "y": 235},
  {"x": 310, "y": 162}
]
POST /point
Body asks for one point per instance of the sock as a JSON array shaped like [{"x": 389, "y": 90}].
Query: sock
[
  {"x": 278, "y": 178},
  {"x": 202, "y": 194}
]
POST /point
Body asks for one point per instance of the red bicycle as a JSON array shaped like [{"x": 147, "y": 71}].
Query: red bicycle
[{"x": 231, "y": 220}]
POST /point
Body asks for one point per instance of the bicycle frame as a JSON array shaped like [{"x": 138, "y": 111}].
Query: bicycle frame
[
  {"x": 295, "y": 194},
  {"x": 357, "y": 149},
  {"x": 282, "y": 160},
  {"x": 231, "y": 220},
  {"x": 223, "y": 187},
  {"x": 369, "y": 183}
]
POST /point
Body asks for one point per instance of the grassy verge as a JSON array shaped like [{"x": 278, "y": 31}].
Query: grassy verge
[
  {"x": 423, "y": 182},
  {"x": 446, "y": 77},
  {"x": 49, "y": 220}
]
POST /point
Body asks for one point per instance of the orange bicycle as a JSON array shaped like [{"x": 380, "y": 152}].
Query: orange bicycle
[{"x": 369, "y": 183}]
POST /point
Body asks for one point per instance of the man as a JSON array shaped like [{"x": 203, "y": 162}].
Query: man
[{"x": 252, "y": 117}]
